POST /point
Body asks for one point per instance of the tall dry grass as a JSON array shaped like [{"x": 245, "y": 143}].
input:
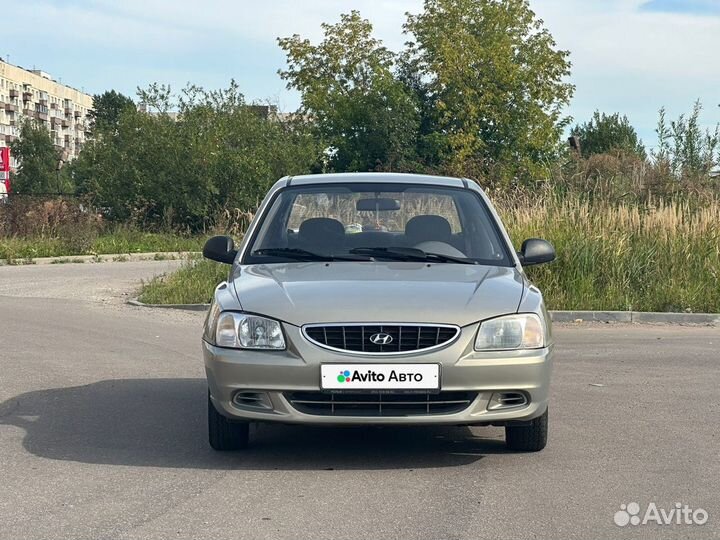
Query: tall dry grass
[
  {"x": 653, "y": 256},
  {"x": 33, "y": 227}
]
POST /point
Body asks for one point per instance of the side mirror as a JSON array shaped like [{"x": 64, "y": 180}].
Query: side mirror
[
  {"x": 220, "y": 249},
  {"x": 536, "y": 251}
]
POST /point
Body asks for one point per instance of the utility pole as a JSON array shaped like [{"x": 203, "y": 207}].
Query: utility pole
[{"x": 60, "y": 164}]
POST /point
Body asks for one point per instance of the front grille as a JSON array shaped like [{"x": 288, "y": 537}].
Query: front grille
[
  {"x": 402, "y": 338},
  {"x": 367, "y": 404}
]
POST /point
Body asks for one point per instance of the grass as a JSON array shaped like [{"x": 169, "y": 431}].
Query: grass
[
  {"x": 654, "y": 256},
  {"x": 68, "y": 261},
  {"x": 658, "y": 256},
  {"x": 193, "y": 283},
  {"x": 121, "y": 240}
]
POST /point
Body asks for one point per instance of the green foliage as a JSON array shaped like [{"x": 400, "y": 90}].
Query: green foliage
[
  {"x": 194, "y": 283},
  {"x": 606, "y": 133},
  {"x": 684, "y": 148},
  {"x": 218, "y": 152},
  {"x": 478, "y": 93},
  {"x": 107, "y": 109},
  {"x": 39, "y": 161},
  {"x": 492, "y": 84},
  {"x": 358, "y": 108}
]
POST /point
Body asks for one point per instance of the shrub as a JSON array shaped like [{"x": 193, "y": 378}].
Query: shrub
[
  {"x": 608, "y": 133},
  {"x": 28, "y": 216},
  {"x": 158, "y": 170}
]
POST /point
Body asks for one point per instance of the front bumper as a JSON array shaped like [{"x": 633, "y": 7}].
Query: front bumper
[{"x": 297, "y": 369}]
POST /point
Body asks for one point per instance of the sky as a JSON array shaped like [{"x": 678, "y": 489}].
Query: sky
[{"x": 629, "y": 56}]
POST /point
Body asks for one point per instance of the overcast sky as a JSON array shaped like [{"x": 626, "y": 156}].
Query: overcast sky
[{"x": 629, "y": 56}]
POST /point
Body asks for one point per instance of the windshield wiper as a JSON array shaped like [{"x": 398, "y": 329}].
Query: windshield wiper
[
  {"x": 410, "y": 254},
  {"x": 302, "y": 255}
]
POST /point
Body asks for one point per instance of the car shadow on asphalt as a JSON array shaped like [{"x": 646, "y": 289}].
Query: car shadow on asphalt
[{"x": 162, "y": 423}]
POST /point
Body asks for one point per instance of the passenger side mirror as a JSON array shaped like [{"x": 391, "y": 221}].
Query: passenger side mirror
[
  {"x": 536, "y": 251},
  {"x": 220, "y": 249}
]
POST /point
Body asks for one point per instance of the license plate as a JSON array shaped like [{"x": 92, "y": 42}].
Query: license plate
[{"x": 380, "y": 376}]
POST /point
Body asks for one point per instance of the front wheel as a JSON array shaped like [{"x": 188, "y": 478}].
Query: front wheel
[
  {"x": 225, "y": 434},
  {"x": 528, "y": 438}
]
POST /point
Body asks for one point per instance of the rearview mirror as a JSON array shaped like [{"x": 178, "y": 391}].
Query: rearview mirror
[
  {"x": 536, "y": 251},
  {"x": 220, "y": 249},
  {"x": 375, "y": 205}
]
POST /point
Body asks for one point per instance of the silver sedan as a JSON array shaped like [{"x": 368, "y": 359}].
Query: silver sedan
[{"x": 373, "y": 298}]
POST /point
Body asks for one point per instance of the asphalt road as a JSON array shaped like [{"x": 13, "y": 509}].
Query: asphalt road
[{"x": 102, "y": 435}]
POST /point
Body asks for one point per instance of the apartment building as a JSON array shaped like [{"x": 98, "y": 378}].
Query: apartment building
[{"x": 34, "y": 94}]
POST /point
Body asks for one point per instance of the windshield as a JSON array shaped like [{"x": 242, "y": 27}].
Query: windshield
[{"x": 377, "y": 222}]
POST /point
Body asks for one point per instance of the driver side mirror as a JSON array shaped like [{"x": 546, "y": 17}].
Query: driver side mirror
[
  {"x": 536, "y": 251},
  {"x": 220, "y": 249}
]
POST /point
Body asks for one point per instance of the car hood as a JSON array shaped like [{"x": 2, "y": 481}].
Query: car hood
[{"x": 306, "y": 293}]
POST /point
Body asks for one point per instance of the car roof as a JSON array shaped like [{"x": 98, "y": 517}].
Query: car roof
[{"x": 378, "y": 177}]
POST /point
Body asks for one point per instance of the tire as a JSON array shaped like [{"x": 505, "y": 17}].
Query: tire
[
  {"x": 528, "y": 438},
  {"x": 225, "y": 434}
]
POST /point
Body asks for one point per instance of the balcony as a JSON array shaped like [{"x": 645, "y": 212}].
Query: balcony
[
  {"x": 11, "y": 107},
  {"x": 41, "y": 116},
  {"x": 27, "y": 96},
  {"x": 68, "y": 111},
  {"x": 77, "y": 114},
  {"x": 65, "y": 123},
  {"x": 14, "y": 93},
  {"x": 54, "y": 121},
  {"x": 10, "y": 138},
  {"x": 53, "y": 105}
]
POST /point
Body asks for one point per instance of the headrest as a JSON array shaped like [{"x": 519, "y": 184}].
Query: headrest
[
  {"x": 318, "y": 230},
  {"x": 427, "y": 229}
]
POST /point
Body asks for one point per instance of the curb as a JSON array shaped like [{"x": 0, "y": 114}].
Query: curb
[
  {"x": 635, "y": 317},
  {"x": 638, "y": 317},
  {"x": 185, "y": 307},
  {"x": 110, "y": 257}
]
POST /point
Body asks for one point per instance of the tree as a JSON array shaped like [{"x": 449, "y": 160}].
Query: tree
[
  {"x": 606, "y": 133},
  {"x": 107, "y": 109},
  {"x": 494, "y": 85},
  {"x": 363, "y": 114},
  {"x": 38, "y": 161},
  {"x": 684, "y": 148},
  {"x": 218, "y": 154}
]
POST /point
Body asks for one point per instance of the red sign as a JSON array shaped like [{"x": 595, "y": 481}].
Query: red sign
[{"x": 4, "y": 170}]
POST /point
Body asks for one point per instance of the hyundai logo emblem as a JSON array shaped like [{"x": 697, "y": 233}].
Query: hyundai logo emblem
[{"x": 381, "y": 338}]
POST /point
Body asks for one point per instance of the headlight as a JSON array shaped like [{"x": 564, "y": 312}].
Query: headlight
[
  {"x": 522, "y": 331},
  {"x": 243, "y": 331}
]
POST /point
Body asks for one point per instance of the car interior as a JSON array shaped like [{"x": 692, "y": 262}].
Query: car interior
[
  {"x": 329, "y": 234},
  {"x": 318, "y": 223}
]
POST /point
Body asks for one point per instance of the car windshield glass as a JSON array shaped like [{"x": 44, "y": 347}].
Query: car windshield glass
[{"x": 379, "y": 221}]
